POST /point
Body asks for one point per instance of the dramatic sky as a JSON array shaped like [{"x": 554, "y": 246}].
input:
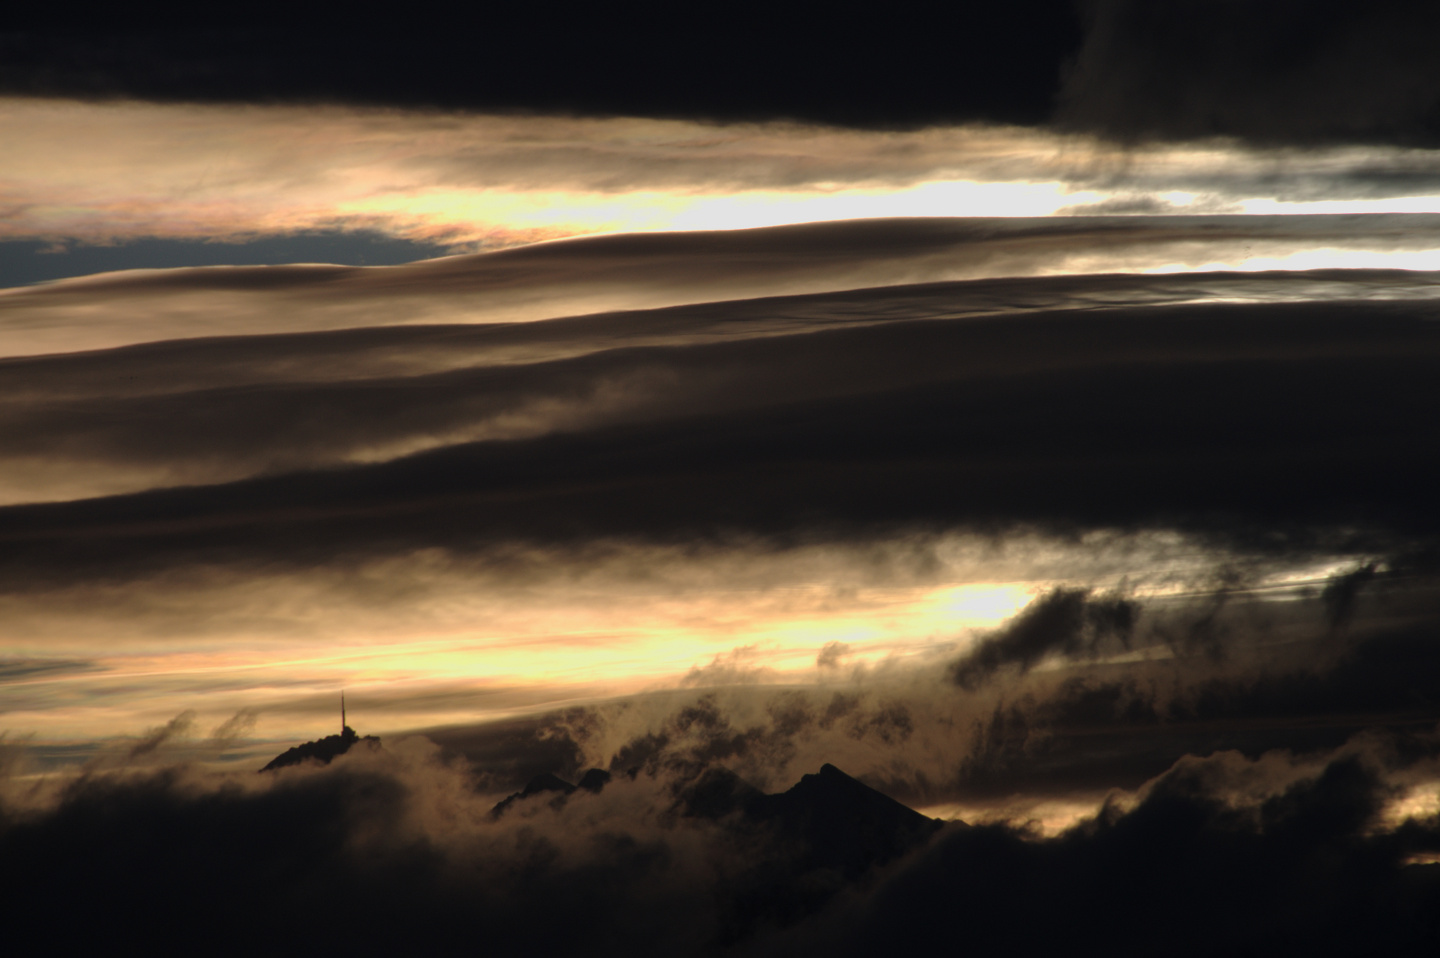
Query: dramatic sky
[{"x": 1028, "y": 409}]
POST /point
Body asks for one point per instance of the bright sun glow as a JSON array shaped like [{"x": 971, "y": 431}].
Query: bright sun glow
[
  {"x": 567, "y": 649},
  {"x": 563, "y": 213}
]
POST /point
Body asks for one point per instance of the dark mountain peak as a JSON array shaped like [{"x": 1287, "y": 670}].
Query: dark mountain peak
[
  {"x": 831, "y": 819},
  {"x": 592, "y": 781},
  {"x": 545, "y": 782},
  {"x": 827, "y": 831},
  {"x": 843, "y": 823},
  {"x": 833, "y": 789},
  {"x": 323, "y": 750},
  {"x": 716, "y": 793}
]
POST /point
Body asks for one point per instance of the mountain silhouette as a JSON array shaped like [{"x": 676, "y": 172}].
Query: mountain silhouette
[
  {"x": 323, "y": 750},
  {"x": 828, "y": 832},
  {"x": 842, "y": 822},
  {"x": 592, "y": 781},
  {"x": 827, "y": 819},
  {"x": 835, "y": 821}
]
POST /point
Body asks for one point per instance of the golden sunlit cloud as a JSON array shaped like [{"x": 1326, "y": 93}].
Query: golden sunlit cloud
[
  {"x": 478, "y": 181},
  {"x": 429, "y": 640},
  {"x": 97, "y": 173}
]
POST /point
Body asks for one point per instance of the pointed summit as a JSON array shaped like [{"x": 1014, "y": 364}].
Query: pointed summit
[{"x": 845, "y": 823}]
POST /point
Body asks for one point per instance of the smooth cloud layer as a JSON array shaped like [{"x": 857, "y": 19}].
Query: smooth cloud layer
[{"x": 638, "y": 271}]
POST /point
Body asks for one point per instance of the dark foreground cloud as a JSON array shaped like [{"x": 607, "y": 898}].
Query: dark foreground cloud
[
  {"x": 1193, "y": 869},
  {"x": 1284, "y": 855}
]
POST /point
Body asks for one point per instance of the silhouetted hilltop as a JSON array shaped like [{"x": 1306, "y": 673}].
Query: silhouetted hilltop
[
  {"x": 828, "y": 819},
  {"x": 540, "y": 784},
  {"x": 323, "y": 750},
  {"x": 592, "y": 781},
  {"x": 842, "y": 822},
  {"x": 827, "y": 832}
]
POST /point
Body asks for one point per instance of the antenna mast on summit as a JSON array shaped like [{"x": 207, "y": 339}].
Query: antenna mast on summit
[{"x": 343, "y": 726}]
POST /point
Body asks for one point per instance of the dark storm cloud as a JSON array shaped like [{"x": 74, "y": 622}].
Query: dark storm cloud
[
  {"x": 1271, "y": 72},
  {"x": 1267, "y": 71},
  {"x": 740, "y": 62}
]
